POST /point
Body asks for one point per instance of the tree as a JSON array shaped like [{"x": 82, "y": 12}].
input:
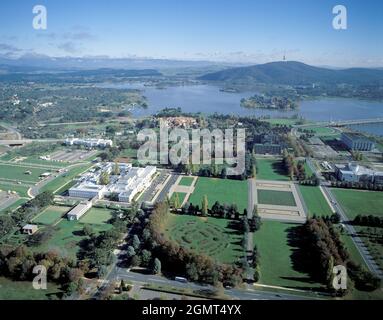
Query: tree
[
  {"x": 177, "y": 203},
  {"x": 116, "y": 169},
  {"x": 136, "y": 242},
  {"x": 205, "y": 205},
  {"x": 87, "y": 230},
  {"x": 254, "y": 171},
  {"x": 131, "y": 252},
  {"x": 146, "y": 256},
  {"x": 136, "y": 261},
  {"x": 104, "y": 178},
  {"x": 192, "y": 271},
  {"x": 157, "y": 266}
]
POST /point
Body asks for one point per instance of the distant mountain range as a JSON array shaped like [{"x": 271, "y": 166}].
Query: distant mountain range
[
  {"x": 296, "y": 73},
  {"x": 42, "y": 62}
]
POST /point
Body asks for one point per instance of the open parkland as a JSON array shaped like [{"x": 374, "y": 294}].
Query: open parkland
[{"x": 282, "y": 205}]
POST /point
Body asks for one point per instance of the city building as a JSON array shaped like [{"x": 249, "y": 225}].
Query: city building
[
  {"x": 357, "y": 141},
  {"x": 125, "y": 186},
  {"x": 353, "y": 172},
  {"x": 30, "y": 229},
  {"x": 267, "y": 148},
  {"x": 90, "y": 143},
  {"x": 78, "y": 211},
  {"x": 268, "y": 144}
]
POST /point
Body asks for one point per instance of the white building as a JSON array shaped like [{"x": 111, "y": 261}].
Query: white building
[
  {"x": 353, "y": 172},
  {"x": 78, "y": 211},
  {"x": 90, "y": 143},
  {"x": 126, "y": 185},
  {"x": 30, "y": 229}
]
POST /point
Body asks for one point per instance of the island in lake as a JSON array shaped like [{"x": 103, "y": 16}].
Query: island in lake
[{"x": 269, "y": 102}]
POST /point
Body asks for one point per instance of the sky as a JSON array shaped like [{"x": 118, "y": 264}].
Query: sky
[{"x": 243, "y": 31}]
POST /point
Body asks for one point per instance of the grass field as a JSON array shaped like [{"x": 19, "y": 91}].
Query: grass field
[
  {"x": 186, "y": 181},
  {"x": 23, "y": 290},
  {"x": 17, "y": 172},
  {"x": 356, "y": 202},
  {"x": 210, "y": 236},
  {"x": 222, "y": 190},
  {"x": 315, "y": 201},
  {"x": 59, "y": 182},
  {"x": 181, "y": 196},
  {"x": 67, "y": 237},
  {"x": 274, "y": 197},
  {"x": 276, "y": 265},
  {"x": 270, "y": 169},
  {"x": 97, "y": 216},
  {"x": 36, "y": 160},
  {"x": 21, "y": 190},
  {"x": 50, "y": 215},
  {"x": 324, "y": 131}
]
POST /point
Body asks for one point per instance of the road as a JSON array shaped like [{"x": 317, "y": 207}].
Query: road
[
  {"x": 239, "y": 294},
  {"x": 369, "y": 261},
  {"x": 35, "y": 190}
]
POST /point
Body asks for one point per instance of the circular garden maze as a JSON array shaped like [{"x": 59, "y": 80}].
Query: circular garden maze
[{"x": 200, "y": 236}]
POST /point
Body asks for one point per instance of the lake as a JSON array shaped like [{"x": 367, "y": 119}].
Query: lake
[{"x": 209, "y": 99}]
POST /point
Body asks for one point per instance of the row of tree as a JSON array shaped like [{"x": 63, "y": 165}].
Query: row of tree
[
  {"x": 227, "y": 211},
  {"x": 357, "y": 185},
  {"x": 369, "y": 221},
  {"x": 324, "y": 250}
]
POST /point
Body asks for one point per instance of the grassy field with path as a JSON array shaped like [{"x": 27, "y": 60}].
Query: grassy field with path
[
  {"x": 210, "y": 236},
  {"x": 270, "y": 169}
]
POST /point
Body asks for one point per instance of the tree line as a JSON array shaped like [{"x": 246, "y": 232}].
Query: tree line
[
  {"x": 324, "y": 249},
  {"x": 18, "y": 264},
  {"x": 368, "y": 221},
  {"x": 10, "y": 220}
]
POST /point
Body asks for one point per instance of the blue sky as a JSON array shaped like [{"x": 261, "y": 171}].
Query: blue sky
[{"x": 221, "y": 30}]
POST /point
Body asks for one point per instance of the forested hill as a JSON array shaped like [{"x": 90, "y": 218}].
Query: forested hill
[{"x": 296, "y": 73}]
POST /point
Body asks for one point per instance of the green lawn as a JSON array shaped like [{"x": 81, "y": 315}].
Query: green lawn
[
  {"x": 315, "y": 201},
  {"x": 356, "y": 202},
  {"x": 270, "y": 169},
  {"x": 97, "y": 216},
  {"x": 278, "y": 198},
  {"x": 186, "y": 181},
  {"x": 17, "y": 172},
  {"x": 323, "y": 131},
  {"x": 222, "y": 190},
  {"x": 207, "y": 235},
  {"x": 67, "y": 237},
  {"x": 22, "y": 191},
  {"x": 51, "y": 214},
  {"x": 276, "y": 265},
  {"x": 65, "y": 178},
  {"x": 36, "y": 160},
  {"x": 23, "y": 290}
]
